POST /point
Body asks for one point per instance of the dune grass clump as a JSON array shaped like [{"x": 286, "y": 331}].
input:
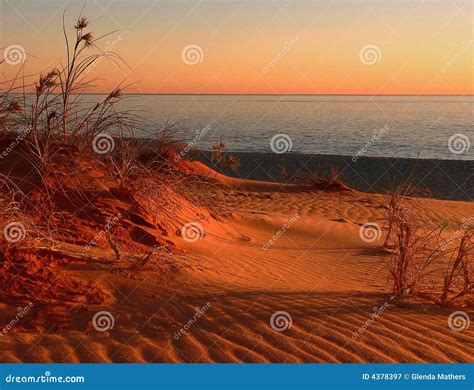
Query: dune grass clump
[
  {"x": 65, "y": 142},
  {"x": 415, "y": 249},
  {"x": 458, "y": 270},
  {"x": 222, "y": 159},
  {"x": 49, "y": 128},
  {"x": 317, "y": 179},
  {"x": 423, "y": 261},
  {"x": 69, "y": 167}
]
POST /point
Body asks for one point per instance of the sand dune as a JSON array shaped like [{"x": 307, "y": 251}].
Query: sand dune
[{"x": 318, "y": 271}]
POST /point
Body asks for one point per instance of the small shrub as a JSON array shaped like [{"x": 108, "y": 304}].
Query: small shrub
[
  {"x": 422, "y": 260},
  {"x": 458, "y": 274}
]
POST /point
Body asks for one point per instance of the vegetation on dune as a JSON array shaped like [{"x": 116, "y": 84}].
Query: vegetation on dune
[
  {"x": 318, "y": 180},
  {"x": 76, "y": 185},
  {"x": 426, "y": 260}
]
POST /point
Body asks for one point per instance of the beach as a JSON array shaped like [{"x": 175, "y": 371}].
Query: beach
[
  {"x": 276, "y": 272},
  {"x": 267, "y": 194},
  {"x": 440, "y": 179}
]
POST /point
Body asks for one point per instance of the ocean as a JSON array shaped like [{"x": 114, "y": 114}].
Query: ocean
[{"x": 428, "y": 127}]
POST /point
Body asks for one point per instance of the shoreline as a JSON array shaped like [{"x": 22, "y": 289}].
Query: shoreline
[{"x": 440, "y": 179}]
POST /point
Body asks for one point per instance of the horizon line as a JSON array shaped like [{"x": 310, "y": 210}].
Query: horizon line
[{"x": 274, "y": 94}]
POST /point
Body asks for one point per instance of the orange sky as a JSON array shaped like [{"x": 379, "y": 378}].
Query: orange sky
[{"x": 279, "y": 47}]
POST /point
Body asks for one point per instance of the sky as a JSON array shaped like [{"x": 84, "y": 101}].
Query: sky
[{"x": 255, "y": 47}]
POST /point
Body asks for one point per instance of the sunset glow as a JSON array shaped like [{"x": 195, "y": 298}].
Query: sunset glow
[
  {"x": 237, "y": 194},
  {"x": 260, "y": 47}
]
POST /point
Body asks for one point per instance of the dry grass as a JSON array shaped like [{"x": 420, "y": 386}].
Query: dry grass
[
  {"x": 317, "y": 179},
  {"x": 423, "y": 261},
  {"x": 55, "y": 185},
  {"x": 222, "y": 159},
  {"x": 58, "y": 130},
  {"x": 458, "y": 269}
]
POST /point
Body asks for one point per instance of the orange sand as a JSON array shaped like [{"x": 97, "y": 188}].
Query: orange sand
[{"x": 319, "y": 271}]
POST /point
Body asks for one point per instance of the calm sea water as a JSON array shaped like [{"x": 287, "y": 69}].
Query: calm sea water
[{"x": 342, "y": 125}]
